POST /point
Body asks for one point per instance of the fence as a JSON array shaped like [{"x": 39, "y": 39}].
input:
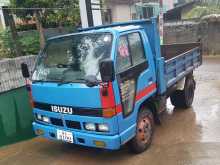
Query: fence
[{"x": 10, "y": 72}]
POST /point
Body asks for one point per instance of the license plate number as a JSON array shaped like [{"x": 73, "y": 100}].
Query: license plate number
[{"x": 65, "y": 136}]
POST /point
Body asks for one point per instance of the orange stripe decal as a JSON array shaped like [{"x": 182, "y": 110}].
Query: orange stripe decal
[{"x": 145, "y": 91}]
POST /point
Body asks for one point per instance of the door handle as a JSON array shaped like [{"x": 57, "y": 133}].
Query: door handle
[{"x": 150, "y": 81}]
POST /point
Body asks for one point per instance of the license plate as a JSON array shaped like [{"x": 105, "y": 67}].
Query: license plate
[{"x": 65, "y": 136}]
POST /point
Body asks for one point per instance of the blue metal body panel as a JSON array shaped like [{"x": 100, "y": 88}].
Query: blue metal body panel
[
  {"x": 122, "y": 128},
  {"x": 111, "y": 142},
  {"x": 178, "y": 67},
  {"x": 160, "y": 75},
  {"x": 74, "y": 94},
  {"x": 127, "y": 125}
]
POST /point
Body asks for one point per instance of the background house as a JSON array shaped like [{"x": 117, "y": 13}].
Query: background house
[
  {"x": 124, "y": 10},
  {"x": 178, "y": 12}
]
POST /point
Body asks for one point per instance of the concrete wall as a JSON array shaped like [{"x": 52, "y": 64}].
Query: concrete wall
[
  {"x": 15, "y": 111},
  {"x": 208, "y": 30},
  {"x": 10, "y": 73},
  {"x": 180, "y": 32}
]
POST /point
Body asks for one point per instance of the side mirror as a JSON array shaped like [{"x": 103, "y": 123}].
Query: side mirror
[
  {"x": 25, "y": 70},
  {"x": 106, "y": 68}
]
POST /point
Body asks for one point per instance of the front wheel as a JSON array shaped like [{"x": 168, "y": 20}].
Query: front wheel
[{"x": 144, "y": 132}]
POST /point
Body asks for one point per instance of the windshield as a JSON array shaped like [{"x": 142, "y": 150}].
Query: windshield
[{"x": 73, "y": 58}]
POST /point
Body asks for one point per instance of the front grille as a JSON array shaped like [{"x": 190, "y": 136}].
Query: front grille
[
  {"x": 73, "y": 124},
  {"x": 57, "y": 122},
  {"x": 75, "y": 110}
]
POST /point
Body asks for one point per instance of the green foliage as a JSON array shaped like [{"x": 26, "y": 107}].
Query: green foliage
[
  {"x": 65, "y": 12},
  {"x": 25, "y": 27},
  {"x": 203, "y": 10},
  {"x": 29, "y": 44},
  {"x": 6, "y": 44},
  {"x": 69, "y": 15}
]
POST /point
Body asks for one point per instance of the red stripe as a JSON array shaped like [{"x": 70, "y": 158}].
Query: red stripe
[
  {"x": 118, "y": 108},
  {"x": 108, "y": 101},
  {"x": 145, "y": 91},
  {"x": 140, "y": 95}
]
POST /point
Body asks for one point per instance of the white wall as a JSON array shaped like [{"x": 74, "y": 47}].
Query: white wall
[
  {"x": 121, "y": 13},
  {"x": 4, "y": 2},
  {"x": 2, "y": 20},
  {"x": 169, "y": 4},
  {"x": 83, "y": 13},
  {"x": 97, "y": 16}
]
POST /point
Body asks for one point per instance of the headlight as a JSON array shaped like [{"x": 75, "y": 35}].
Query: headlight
[
  {"x": 46, "y": 119},
  {"x": 42, "y": 118},
  {"x": 90, "y": 126},
  {"x": 39, "y": 117},
  {"x": 103, "y": 127}
]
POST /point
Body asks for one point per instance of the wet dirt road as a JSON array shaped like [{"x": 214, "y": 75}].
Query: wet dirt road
[{"x": 186, "y": 137}]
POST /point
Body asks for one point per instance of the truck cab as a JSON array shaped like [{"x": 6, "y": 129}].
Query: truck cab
[{"x": 98, "y": 87}]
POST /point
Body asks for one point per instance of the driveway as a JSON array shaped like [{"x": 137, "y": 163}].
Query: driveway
[{"x": 186, "y": 137}]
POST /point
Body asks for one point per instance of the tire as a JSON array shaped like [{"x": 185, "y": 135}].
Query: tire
[
  {"x": 184, "y": 98},
  {"x": 144, "y": 132}
]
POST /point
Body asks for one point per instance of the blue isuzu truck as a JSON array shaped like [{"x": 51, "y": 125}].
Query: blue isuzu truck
[{"x": 105, "y": 86}]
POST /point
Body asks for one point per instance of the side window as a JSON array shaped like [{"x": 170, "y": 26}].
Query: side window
[
  {"x": 123, "y": 55},
  {"x": 136, "y": 48}
]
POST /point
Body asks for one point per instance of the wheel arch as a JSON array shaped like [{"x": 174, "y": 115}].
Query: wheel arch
[{"x": 151, "y": 105}]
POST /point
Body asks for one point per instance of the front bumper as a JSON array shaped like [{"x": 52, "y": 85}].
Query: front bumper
[{"x": 111, "y": 142}]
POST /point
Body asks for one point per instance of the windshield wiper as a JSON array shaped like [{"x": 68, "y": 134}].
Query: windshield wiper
[
  {"x": 90, "y": 81},
  {"x": 36, "y": 81},
  {"x": 66, "y": 82},
  {"x": 62, "y": 66},
  {"x": 42, "y": 81}
]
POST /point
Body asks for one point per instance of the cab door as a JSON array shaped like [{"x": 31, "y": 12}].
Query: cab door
[{"x": 134, "y": 75}]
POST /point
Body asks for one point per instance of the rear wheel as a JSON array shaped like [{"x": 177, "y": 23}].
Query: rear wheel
[
  {"x": 184, "y": 98},
  {"x": 144, "y": 132}
]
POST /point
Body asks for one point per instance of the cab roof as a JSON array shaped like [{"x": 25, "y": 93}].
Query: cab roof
[
  {"x": 120, "y": 27},
  {"x": 115, "y": 27}
]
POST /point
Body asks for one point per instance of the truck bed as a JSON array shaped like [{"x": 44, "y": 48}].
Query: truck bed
[{"x": 180, "y": 59}]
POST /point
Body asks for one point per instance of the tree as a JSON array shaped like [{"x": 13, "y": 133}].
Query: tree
[
  {"x": 58, "y": 10},
  {"x": 40, "y": 28},
  {"x": 14, "y": 35},
  {"x": 202, "y": 10},
  {"x": 37, "y": 13},
  {"x": 68, "y": 13}
]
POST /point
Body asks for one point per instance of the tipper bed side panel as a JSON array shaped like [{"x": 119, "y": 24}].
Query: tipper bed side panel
[{"x": 179, "y": 66}]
